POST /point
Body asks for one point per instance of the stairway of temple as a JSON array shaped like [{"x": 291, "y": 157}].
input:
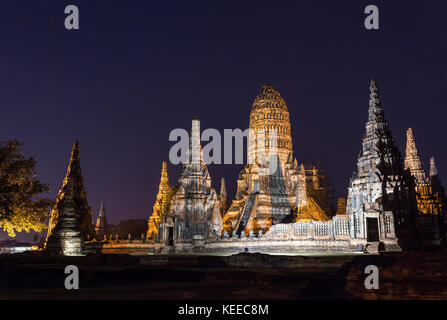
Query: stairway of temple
[{"x": 248, "y": 207}]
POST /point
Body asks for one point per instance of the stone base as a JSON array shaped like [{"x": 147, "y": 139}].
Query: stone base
[{"x": 229, "y": 246}]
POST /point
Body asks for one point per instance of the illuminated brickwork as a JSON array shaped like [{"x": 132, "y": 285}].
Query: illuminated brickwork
[
  {"x": 161, "y": 205},
  {"x": 265, "y": 197},
  {"x": 71, "y": 217}
]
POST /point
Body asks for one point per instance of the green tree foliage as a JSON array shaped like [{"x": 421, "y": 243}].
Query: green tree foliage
[{"x": 20, "y": 207}]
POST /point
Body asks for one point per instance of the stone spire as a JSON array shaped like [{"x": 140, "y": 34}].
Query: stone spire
[
  {"x": 379, "y": 150},
  {"x": 161, "y": 205},
  {"x": 195, "y": 176},
  {"x": 381, "y": 184},
  {"x": 101, "y": 223},
  {"x": 379, "y": 160},
  {"x": 269, "y": 120},
  {"x": 412, "y": 160},
  {"x": 433, "y": 170},
  {"x": 301, "y": 192},
  {"x": 66, "y": 237},
  {"x": 223, "y": 189},
  {"x": 194, "y": 212},
  {"x": 72, "y": 202},
  {"x": 223, "y": 198}
]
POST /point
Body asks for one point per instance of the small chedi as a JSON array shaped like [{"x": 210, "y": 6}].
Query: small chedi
[
  {"x": 71, "y": 218},
  {"x": 430, "y": 195},
  {"x": 161, "y": 204},
  {"x": 194, "y": 211},
  {"x": 101, "y": 223},
  {"x": 431, "y": 198},
  {"x": 223, "y": 198}
]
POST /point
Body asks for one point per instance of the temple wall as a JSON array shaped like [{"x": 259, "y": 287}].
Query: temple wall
[{"x": 298, "y": 237}]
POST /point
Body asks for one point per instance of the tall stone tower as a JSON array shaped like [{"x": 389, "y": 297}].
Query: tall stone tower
[
  {"x": 430, "y": 195},
  {"x": 412, "y": 160},
  {"x": 161, "y": 205},
  {"x": 223, "y": 198},
  {"x": 269, "y": 121},
  {"x": 380, "y": 193},
  {"x": 267, "y": 188},
  {"x": 437, "y": 203},
  {"x": 194, "y": 213},
  {"x": 101, "y": 223},
  {"x": 71, "y": 204}
]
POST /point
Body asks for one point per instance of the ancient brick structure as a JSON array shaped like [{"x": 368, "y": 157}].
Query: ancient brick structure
[
  {"x": 413, "y": 162},
  {"x": 161, "y": 205},
  {"x": 380, "y": 192},
  {"x": 341, "y": 206},
  {"x": 194, "y": 213},
  {"x": 318, "y": 187},
  {"x": 223, "y": 198},
  {"x": 430, "y": 195},
  {"x": 101, "y": 223},
  {"x": 283, "y": 207},
  {"x": 268, "y": 186},
  {"x": 71, "y": 218}
]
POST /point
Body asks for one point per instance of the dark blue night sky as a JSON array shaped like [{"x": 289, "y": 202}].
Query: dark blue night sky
[{"x": 138, "y": 69}]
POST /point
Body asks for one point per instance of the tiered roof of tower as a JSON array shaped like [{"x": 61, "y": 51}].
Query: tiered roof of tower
[
  {"x": 269, "y": 115},
  {"x": 269, "y": 97},
  {"x": 379, "y": 150},
  {"x": 195, "y": 177}
]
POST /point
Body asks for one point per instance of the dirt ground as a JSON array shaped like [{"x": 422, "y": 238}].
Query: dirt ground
[{"x": 409, "y": 275}]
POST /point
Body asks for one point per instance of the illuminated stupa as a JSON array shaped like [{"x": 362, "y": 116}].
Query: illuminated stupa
[
  {"x": 194, "y": 210},
  {"x": 71, "y": 218},
  {"x": 101, "y": 223},
  {"x": 380, "y": 192},
  {"x": 223, "y": 198},
  {"x": 431, "y": 199},
  {"x": 271, "y": 184},
  {"x": 161, "y": 205}
]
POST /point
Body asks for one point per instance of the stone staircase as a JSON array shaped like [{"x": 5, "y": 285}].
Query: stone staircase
[
  {"x": 372, "y": 247},
  {"x": 248, "y": 207}
]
